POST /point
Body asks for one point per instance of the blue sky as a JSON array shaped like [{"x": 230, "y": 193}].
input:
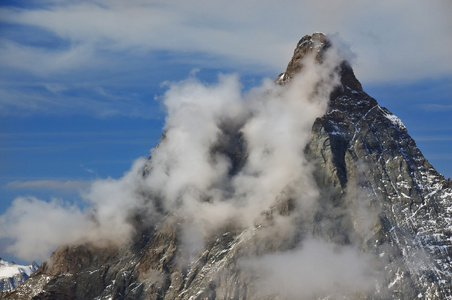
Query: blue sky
[{"x": 81, "y": 81}]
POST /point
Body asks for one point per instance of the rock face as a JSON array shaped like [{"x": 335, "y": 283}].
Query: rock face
[
  {"x": 359, "y": 141},
  {"x": 377, "y": 192},
  {"x": 11, "y": 275}
]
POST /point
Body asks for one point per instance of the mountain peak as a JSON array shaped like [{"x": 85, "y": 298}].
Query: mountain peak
[
  {"x": 316, "y": 42},
  {"x": 317, "y": 45},
  {"x": 351, "y": 189}
]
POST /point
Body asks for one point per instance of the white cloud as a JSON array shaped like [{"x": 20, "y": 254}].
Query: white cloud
[
  {"x": 46, "y": 61},
  {"x": 316, "y": 270},
  {"x": 38, "y": 227},
  {"x": 188, "y": 177}
]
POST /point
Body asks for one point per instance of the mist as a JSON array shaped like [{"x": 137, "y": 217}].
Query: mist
[
  {"x": 314, "y": 270},
  {"x": 194, "y": 175}
]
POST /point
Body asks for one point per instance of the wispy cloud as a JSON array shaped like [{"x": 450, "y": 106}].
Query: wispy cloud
[
  {"x": 213, "y": 27},
  {"x": 437, "y": 107},
  {"x": 67, "y": 185},
  {"x": 433, "y": 138},
  {"x": 44, "y": 61},
  {"x": 57, "y": 141},
  {"x": 106, "y": 44},
  {"x": 88, "y": 100}
]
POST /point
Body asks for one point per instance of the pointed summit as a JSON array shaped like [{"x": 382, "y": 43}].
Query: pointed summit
[{"x": 317, "y": 44}]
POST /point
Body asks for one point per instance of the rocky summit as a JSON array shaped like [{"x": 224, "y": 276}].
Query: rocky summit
[{"x": 378, "y": 224}]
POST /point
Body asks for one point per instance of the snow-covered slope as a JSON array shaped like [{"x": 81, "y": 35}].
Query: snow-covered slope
[{"x": 11, "y": 274}]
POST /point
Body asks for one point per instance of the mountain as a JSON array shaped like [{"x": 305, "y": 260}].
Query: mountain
[
  {"x": 324, "y": 200},
  {"x": 11, "y": 275}
]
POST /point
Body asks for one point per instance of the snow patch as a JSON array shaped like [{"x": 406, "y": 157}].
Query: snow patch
[
  {"x": 394, "y": 119},
  {"x": 8, "y": 270}
]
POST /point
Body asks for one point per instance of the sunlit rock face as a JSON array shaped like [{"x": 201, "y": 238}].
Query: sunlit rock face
[{"x": 377, "y": 225}]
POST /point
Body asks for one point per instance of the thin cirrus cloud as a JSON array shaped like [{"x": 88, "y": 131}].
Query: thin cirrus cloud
[
  {"x": 434, "y": 107},
  {"x": 68, "y": 185},
  {"x": 69, "y": 99},
  {"x": 101, "y": 45},
  {"x": 393, "y": 33},
  {"x": 43, "y": 61},
  {"x": 433, "y": 138}
]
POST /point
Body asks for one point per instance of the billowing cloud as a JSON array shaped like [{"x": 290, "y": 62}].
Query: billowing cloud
[
  {"x": 39, "y": 226},
  {"x": 190, "y": 171},
  {"x": 197, "y": 175},
  {"x": 315, "y": 270}
]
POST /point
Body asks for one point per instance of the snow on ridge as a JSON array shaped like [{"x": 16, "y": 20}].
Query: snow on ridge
[
  {"x": 393, "y": 118},
  {"x": 8, "y": 270}
]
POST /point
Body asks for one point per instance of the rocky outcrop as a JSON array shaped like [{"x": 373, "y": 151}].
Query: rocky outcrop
[{"x": 377, "y": 191}]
